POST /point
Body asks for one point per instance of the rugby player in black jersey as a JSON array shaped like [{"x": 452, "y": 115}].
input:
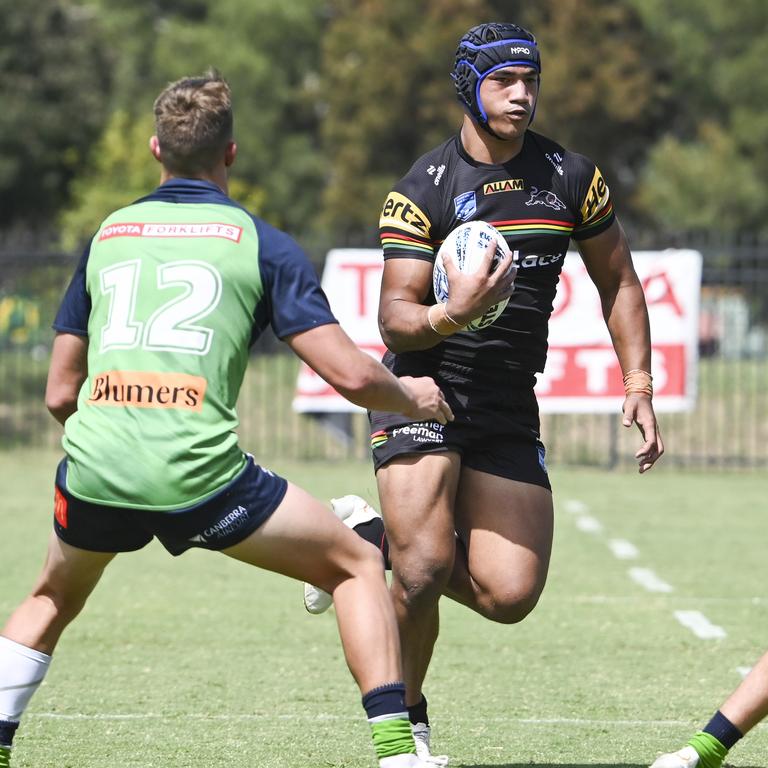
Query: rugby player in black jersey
[{"x": 468, "y": 505}]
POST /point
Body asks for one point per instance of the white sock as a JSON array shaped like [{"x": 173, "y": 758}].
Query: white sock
[{"x": 22, "y": 670}]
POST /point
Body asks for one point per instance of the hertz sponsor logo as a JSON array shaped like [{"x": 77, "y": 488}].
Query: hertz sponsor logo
[
  {"x": 144, "y": 389},
  {"x": 596, "y": 199},
  {"x": 403, "y": 214},
  {"x": 130, "y": 229},
  {"x": 504, "y": 185}
]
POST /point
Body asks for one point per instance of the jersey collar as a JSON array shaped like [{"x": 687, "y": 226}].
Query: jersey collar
[{"x": 186, "y": 191}]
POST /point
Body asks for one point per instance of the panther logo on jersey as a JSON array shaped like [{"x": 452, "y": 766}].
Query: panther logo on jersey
[{"x": 547, "y": 198}]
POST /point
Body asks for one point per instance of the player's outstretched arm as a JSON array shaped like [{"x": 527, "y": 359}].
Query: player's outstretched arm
[
  {"x": 66, "y": 374},
  {"x": 365, "y": 381},
  {"x": 609, "y": 262}
]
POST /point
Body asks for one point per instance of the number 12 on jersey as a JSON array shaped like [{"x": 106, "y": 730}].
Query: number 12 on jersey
[{"x": 170, "y": 327}]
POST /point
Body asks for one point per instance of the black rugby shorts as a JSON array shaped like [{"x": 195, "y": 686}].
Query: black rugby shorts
[
  {"x": 495, "y": 430},
  {"x": 220, "y": 521}
]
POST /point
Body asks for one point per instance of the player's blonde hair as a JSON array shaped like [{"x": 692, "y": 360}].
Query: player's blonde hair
[{"x": 193, "y": 123}]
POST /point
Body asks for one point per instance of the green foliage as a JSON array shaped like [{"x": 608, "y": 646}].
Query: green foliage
[
  {"x": 122, "y": 170},
  {"x": 52, "y": 95},
  {"x": 600, "y": 93},
  {"x": 695, "y": 184},
  {"x": 711, "y": 167},
  {"x": 385, "y": 75},
  {"x": 335, "y": 99}
]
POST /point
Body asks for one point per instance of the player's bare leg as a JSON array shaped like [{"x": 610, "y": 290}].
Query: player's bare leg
[
  {"x": 303, "y": 539},
  {"x": 506, "y": 529},
  {"x": 31, "y": 633},
  {"x": 742, "y": 711},
  {"x": 417, "y": 494},
  {"x": 68, "y": 577}
]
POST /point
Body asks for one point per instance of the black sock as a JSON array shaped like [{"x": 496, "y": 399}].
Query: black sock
[
  {"x": 373, "y": 531},
  {"x": 7, "y": 729},
  {"x": 723, "y": 730},
  {"x": 418, "y": 712}
]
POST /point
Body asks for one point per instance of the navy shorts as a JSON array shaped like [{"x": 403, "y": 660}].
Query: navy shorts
[
  {"x": 495, "y": 430},
  {"x": 218, "y": 522}
]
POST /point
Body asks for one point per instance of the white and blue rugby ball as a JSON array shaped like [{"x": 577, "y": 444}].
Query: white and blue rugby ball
[{"x": 466, "y": 246}]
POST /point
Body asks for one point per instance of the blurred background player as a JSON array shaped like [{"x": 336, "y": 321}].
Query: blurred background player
[
  {"x": 742, "y": 711},
  {"x": 151, "y": 348},
  {"x": 468, "y": 506}
]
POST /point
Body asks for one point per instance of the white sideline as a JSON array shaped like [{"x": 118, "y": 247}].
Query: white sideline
[
  {"x": 700, "y": 625},
  {"x": 588, "y": 524},
  {"x": 623, "y": 549},
  {"x": 647, "y": 579},
  {"x": 577, "y": 721}
]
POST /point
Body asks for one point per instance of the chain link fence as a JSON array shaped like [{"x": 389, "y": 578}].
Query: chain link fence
[{"x": 728, "y": 428}]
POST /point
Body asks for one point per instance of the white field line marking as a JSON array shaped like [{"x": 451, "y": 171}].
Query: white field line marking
[
  {"x": 588, "y": 524},
  {"x": 623, "y": 549},
  {"x": 575, "y": 507},
  {"x": 647, "y": 579},
  {"x": 743, "y": 671},
  {"x": 577, "y": 721},
  {"x": 700, "y": 625}
]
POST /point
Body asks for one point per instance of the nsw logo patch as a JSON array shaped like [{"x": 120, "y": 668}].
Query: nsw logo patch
[{"x": 465, "y": 205}]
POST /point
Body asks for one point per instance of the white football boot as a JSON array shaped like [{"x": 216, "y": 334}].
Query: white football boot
[
  {"x": 421, "y": 734},
  {"x": 352, "y": 511},
  {"x": 687, "y": 757}
]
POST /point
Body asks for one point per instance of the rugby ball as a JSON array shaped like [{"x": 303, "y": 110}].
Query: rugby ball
[{"x": 466, "y": 246}]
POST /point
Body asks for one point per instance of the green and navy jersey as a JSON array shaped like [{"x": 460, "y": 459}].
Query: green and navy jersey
[
  {"x": 538, "y": 200},
  {"x": 171, "y": 293}
]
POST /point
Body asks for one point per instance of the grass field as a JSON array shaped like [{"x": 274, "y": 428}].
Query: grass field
[{"x": 201, "y": 661}]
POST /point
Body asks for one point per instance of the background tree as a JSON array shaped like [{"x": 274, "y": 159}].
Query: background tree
[
  {"x": 389, "y": 98},
  {"x": 708, "y": 171},
  {"x": 52, "y": 93},
  {"x": 269, "y": 54}
]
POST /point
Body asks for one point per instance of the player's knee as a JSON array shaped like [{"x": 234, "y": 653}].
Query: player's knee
[
  {"x": 365, "y": 562},
  {"x": 422, "y": 582},
  {"x": 510, "y": 606}
]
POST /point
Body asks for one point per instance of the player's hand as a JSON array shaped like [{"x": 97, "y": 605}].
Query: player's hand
[
  {"x": 472, "y": 294},
  {"x": 428, "y": 400},
  {"x": 638, "y": 409}
]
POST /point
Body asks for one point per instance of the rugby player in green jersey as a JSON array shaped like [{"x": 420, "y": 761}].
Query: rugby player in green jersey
[
  {"x": 152, "y": 343},
  {"x": 468, "y": 506},
  {"x": 741, "y": 712}
]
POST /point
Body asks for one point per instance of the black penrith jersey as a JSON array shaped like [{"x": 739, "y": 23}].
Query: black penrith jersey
[{"x": 539, "y": 200}]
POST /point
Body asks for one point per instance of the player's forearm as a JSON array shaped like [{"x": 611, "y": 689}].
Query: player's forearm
[
  {"x": 373, "y": 387},
  {"x": 405, "y": 326},
  {"x": 626, "y": 316}
]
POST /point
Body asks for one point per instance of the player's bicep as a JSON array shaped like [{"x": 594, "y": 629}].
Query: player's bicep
[
  {"x": 407, "y": 280},
  {"x": 608, "y": 260}
]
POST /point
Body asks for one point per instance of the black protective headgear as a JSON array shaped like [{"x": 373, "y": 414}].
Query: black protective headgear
[{"x": 484, "y": 49}]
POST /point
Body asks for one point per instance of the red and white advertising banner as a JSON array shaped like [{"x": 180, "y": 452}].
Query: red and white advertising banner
[{"x": 582, "y": 374}]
